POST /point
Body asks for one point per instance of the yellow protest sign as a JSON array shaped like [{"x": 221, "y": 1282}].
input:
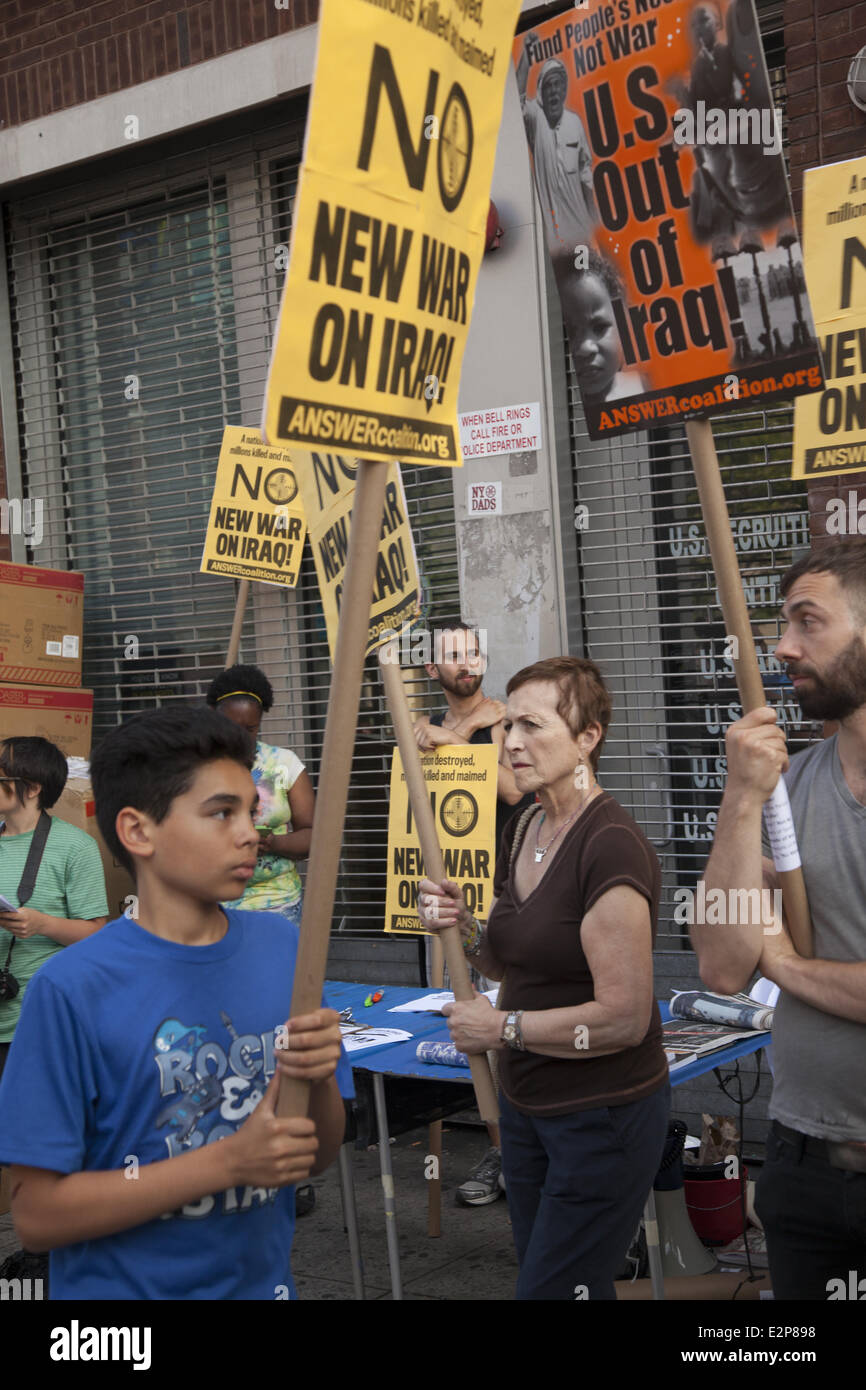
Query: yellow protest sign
[
  {"x": 257, "y": 526},
  {"x": 461, "y": 781},
  {"x": 327, "y": 483},
  {"x": 830, "y": 427},
  {"x": 389, "y": 227}
]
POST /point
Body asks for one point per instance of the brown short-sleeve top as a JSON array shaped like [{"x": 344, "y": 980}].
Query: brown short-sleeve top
[{"x": 538, "y": 942}]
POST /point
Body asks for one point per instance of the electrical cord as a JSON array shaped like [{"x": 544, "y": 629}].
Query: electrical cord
[{"x": 741, "y": 1102}]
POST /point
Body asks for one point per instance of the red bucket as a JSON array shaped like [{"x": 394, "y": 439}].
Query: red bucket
[{"x": 714, "y": 1202}]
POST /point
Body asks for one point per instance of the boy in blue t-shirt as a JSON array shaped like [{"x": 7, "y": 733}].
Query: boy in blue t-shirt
[{"x": 142, "y": 1046}]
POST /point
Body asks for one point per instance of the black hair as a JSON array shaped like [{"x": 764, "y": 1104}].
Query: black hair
[
  {"x": 37, "y": 761},
  {"x": 846, "y": 559},
  {"x": 605, "y": 271},
  {"x": 246, "y": 680},
  {"x": 152, "y": 758},
  {"x": 567, "y": 274}
]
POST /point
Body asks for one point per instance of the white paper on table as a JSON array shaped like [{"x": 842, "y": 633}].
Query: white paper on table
[
  {"x": 425, "y": 1003},
  {"x": 356, "y": 1039},
  {"x": 432, "y": 1003}
]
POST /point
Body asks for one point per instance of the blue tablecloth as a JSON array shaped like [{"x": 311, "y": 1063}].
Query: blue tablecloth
[{"x": 398, "y": 1059}]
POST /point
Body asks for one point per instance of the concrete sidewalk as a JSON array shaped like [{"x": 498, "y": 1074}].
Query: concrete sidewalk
[{"x": 472, "y": 1260}]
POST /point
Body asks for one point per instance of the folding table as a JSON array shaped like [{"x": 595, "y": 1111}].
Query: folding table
[{"x": 399, "y": 1060}]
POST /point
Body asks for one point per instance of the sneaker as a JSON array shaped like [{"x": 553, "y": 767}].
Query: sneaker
[
  {"x": 484, "y": 1183},
  {"x": 305, "y": 1200}
]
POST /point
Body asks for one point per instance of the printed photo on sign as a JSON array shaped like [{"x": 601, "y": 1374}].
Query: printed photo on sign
[
  {"x": 461, "y": 784},
  {"x": 389, "y": 227},
  {"x": 327, "y": 484},
  {"x": 656, "y": 153},
  {"x": 830, "y": 428},
  {"x": 257, "y": 526}
]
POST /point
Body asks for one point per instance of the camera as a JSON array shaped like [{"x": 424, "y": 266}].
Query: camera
[{"x": 9, "y": 986}]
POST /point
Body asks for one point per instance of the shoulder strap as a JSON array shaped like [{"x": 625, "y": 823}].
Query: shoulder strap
[
  {"x": 34, "y": 859},
  {"x": 31, "y": 869}
]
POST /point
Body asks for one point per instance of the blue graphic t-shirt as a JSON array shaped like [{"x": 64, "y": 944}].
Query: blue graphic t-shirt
[{"x": 131, "y": 1049}]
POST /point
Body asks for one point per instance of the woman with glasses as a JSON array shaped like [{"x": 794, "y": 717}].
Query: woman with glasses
[
  {"x": 53, "y": 888},
  {"x": 67, "y": 900}
]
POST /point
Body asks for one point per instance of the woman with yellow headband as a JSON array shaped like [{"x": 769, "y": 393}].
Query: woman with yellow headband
[{"x": 286, "y": 798}]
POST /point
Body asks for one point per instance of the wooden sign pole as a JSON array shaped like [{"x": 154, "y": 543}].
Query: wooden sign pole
[
  {"x": 237, "y": 623},
  {"x": 714, "y": 506},
  {"x": 434, "y": 1130},
  {"x": 434, "y": 866},
  {"x": 337, "y": 752},
  {"x": 437, "y": 962}
]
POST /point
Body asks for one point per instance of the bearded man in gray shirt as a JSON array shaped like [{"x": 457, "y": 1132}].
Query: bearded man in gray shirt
[{"x": 811, "y": 1195}]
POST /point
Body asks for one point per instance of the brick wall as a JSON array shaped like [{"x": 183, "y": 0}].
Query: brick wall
[
  {"x": 821, "y": 38},
  {"x": 58, "y": 54}
]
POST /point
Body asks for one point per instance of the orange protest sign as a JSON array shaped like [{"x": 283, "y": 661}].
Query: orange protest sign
[{"x": 656, "y": 152}]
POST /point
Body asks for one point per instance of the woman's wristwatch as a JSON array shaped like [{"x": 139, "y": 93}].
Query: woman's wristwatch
[{"x": 511, "y": 1034}]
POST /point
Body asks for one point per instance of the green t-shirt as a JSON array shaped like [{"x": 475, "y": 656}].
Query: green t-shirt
[{"x": 70, "y": 884}]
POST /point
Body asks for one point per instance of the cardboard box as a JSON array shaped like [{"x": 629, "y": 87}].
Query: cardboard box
[
  {"x": 41, "y": 625},
  {"x": 76, "y": 805},
  {"x": 63, "y": 716}
]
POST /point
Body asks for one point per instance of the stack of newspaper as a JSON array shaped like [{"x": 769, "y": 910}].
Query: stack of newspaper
[{"x": 703, "y": 1023}]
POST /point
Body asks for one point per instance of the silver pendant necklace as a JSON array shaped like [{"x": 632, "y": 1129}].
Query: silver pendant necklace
[{"x": 541, "y": 852}]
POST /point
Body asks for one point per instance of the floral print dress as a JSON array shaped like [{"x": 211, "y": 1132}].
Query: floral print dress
[{"x": 276, "y": 884}]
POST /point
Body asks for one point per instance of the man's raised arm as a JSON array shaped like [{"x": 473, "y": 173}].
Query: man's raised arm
[{"x": 729, "y": 951}]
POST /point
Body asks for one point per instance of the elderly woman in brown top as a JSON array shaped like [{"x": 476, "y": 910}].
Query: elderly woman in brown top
[{"x": 584, "y": 1090}]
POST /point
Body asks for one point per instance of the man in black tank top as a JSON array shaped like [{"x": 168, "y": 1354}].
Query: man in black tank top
[{"x": 471, "y": 717}]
